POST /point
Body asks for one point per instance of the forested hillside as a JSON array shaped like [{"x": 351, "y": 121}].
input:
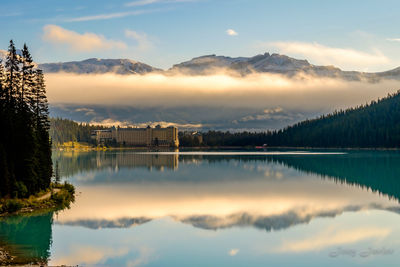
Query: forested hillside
[
  {"x": 374, "y": 125},
  {"x": 25, "y": 147},
  {"x": 64, "y": 130}
]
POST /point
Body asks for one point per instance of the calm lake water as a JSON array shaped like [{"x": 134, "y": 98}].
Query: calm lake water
[{"x": 219, "y": 209}]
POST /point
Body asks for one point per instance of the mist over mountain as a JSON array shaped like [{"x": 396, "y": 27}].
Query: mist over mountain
[{"x": 185, "y": 118}]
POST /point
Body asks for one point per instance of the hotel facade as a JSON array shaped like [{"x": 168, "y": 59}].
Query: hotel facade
[{"x": 158, "y": 136}]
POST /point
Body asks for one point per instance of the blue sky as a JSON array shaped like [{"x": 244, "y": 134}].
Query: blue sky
[{"x": 353, "y": 35}]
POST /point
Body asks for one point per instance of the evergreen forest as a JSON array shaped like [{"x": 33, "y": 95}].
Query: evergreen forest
[
  {"x": 65, "y": 130},
  {"x": 374, "y": 125},
  {"x": 25, "y": 145}
]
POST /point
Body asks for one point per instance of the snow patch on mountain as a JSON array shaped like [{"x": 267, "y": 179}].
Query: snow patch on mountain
[
  {"x": 98, "y": 66},
  {"x": 273, "y": 63}
]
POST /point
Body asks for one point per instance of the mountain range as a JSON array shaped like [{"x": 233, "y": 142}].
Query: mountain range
[{"x": 211, "y": 64}]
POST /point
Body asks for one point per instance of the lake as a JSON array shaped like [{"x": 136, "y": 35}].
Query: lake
[{"x": 219, "y": 208}]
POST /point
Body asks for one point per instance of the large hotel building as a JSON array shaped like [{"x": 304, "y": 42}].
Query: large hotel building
[{"x": 157, "y": 136}]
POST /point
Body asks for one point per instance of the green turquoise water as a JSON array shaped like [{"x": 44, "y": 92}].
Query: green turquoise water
[{"x": 219, "y": 208}]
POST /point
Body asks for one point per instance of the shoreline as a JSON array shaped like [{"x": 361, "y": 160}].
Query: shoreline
[
  {"x": 293, "y": 148},
  {"x": 61, "y": 198},
  {"x": 226, "y": 147},
  {"x": 5, "y": 256}
]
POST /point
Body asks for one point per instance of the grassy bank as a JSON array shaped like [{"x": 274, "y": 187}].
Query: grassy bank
[{"x": 60, "y": 196}]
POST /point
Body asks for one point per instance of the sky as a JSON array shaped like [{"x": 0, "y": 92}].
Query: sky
[{"x": 353, "y": 35}]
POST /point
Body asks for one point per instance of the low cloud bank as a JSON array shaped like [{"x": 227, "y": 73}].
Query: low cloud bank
[
  {"x": 111, "y": 122},
  {"x": 258, "y": 90},
  {"x": 257, "y": 101}
]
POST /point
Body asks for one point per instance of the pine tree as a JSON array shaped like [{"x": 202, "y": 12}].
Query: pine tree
[
  {"x": 41, "y": 111},
  {"x": 4, "y": 173},
  {"x": 13, "y": 75},
  {"x": 57, "y": 174},
  {"x": 28, "y": 76},
  {"x": 40, "y": 105},
  {"x": 2, "y": 82},
  {"x": 26, "y": 144}
]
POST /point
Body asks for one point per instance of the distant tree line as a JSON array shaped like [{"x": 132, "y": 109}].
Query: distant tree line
[
  {"x": 64, "y": 130},
  {"x": 219, "y": 138},
  {"x": 368, "y": 126},
  {"x": 25, "y": 146}
]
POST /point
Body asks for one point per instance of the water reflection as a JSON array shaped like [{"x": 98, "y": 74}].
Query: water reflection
[
  {"x": 133, "y": 208},
  {"x": 222, "y": 191},
  {"x": 27, "y": 238},
  {"x": 379, "y": 171},
  {"x": 74, "y": 162}
]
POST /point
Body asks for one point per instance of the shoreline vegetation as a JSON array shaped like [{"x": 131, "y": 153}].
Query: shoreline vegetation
[
  {"x": 57, "y": 197},
  {"x": 82, "y": 147}
]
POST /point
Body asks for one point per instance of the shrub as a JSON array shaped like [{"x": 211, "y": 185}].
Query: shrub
[
  {"x": 69, "y": 187},
  {"x": 11, "y": 205},
  {"x": 59, "y": 198},
  {"x": 21, "y": 189},
  {"x": 65, "y": 196}
]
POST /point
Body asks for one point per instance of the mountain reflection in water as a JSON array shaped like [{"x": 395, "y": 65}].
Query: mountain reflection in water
[
  {"x": 216, "y": 191},
  {"x": 119, "y": 191}
]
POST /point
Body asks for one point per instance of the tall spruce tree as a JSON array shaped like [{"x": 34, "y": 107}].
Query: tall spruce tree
[
  {"x": 41, "y": 107},
  {"x": 13, "y": 74},
  {"x": 28, "y": 75},
  {"x": 4, "y": 173},
  {"x": 25, "y": 147},
  {"x": 41, "y": 111}
]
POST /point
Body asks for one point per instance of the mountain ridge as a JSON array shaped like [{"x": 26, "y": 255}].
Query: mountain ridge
[
  {"x": 211, "y": 64},
  {"x": 97, "y": 66}
]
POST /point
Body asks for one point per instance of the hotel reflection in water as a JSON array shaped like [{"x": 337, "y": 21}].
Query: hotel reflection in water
[{"x": 133, "y": 160}]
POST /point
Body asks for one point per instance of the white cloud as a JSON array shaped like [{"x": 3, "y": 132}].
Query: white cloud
[
  {"x": 111, "y": 122},
  {"x": 109, "y": 16},
  {"x": 273, "y": 113},
  {"x": 145, "y": 254},
  {"x": 87, "y": 111},
  {"x": 231, "y": 32},
  {"x": 149, "y": 2},
  {"x": 11, "y": 14},
  {"x": 142, "y": 2},
  {"x": 393, "y": 39},
  {"x": 334, "y": 237},
  {"x": 233, "y": 252},
  {"x": 258, "y": 91},
  {"x": 346, "y": 58},
  {"x": 86, "y": 42},
  {"x": 143, "y": 43},
  {"x": 90, "y": 255}
]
